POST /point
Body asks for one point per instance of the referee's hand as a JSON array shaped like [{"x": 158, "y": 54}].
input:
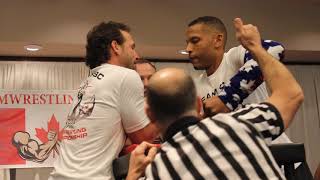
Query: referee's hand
[{"x": 140, "y": 158}]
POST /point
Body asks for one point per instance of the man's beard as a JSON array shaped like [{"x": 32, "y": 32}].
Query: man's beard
[
  {"x": 198, "y": 68},
  {"x": 130, "y": 66},
  {"x": 202, "y": 68}
]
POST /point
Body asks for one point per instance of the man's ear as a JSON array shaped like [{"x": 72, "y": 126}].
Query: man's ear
[
  {"x": 115, "y": 47},
  {"x": 218, "y": 40},
  {"x": 148, "y": 111}
]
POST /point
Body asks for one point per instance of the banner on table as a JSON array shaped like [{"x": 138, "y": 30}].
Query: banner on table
[{"x": 31, "y": 127}]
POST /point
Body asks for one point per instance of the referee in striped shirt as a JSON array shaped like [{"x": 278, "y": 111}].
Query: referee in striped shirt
[{"x": 227, "y": 145}]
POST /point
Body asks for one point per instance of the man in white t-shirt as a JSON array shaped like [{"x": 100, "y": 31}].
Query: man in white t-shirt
[
  {"x": 109, "y": 104},
  {"x": 230, "y": 79},
  {"x": 227, "y": 145}
]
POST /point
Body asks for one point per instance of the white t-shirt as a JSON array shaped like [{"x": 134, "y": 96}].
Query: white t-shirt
[
  {"x": 109, "y": 104},
  {"x": 231, "y": 63},
  {"x": 234, "y": 61}
]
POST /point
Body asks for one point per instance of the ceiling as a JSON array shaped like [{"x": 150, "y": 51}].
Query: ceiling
[{"x": 158, "y": 27}]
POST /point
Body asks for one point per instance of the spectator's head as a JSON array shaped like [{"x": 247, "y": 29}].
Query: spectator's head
[
  {"x": 110, "y": 42},
  {"x": 206, "y": 38},
  {"x": 171, "y": 94},
  {"x": 145, "y": 70}
]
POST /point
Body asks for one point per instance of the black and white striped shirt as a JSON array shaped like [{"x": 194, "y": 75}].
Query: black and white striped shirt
[{"x": 226, "y": 146}]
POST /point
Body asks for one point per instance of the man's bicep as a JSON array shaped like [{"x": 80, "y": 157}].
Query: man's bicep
[{"x": 131, "y": 103}]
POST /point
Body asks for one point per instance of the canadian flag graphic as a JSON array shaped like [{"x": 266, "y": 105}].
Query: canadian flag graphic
[
  {"x": 11, "y": 120},
  {"x": 17, "y": 145},
  {"x": 31, "y": 127}
]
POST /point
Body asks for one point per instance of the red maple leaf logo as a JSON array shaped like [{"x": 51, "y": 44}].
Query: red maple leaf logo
[{"x": 53, "y": 125}]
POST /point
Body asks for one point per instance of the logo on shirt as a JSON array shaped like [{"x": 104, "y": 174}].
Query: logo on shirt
[
  {"x": 97, "y": 75},
  {"x": 75, "y": 134},
  {"x": 214, "y": 92},
  {"x": 84, "y": 106}
]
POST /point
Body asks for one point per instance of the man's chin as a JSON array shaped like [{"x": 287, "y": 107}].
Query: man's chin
[
  {"x": 196, "y": 66},
  {"x": 199, "y": 68}
]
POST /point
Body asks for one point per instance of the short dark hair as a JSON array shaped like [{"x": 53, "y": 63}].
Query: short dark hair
[
  {"x": 172, "y": 105},
  {"x": 213, "y": 22},
  {"x": 144, "y": 61},
  {"x": 99, "y": 41}
]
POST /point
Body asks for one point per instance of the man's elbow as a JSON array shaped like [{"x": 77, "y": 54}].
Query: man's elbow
[
  {"x": 292, "y": 107},
  {"x": 299, "y": 97}
]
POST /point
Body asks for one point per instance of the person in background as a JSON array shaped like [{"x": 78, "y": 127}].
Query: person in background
[{"x": 145, "y": 69}]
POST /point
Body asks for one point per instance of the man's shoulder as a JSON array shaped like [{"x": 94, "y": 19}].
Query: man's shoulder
[
  {"x": 116, "y": 73},
  {"x": 216, "y": 119},
  {"x": 235, "y": 50},
  {"x": 114, "y": 68},
  {"x": 234, "y": 55}
]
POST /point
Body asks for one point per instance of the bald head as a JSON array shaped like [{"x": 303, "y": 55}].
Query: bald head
[
  {"x": 169, "y": 80},
  {"x": 171, "y": 93}
]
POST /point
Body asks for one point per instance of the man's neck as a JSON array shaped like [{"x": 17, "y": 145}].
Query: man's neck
[
  {"x": 114, "y": 61},
  {"x": 164, "y": 127},
  {"x": 216, "y": 63}
]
